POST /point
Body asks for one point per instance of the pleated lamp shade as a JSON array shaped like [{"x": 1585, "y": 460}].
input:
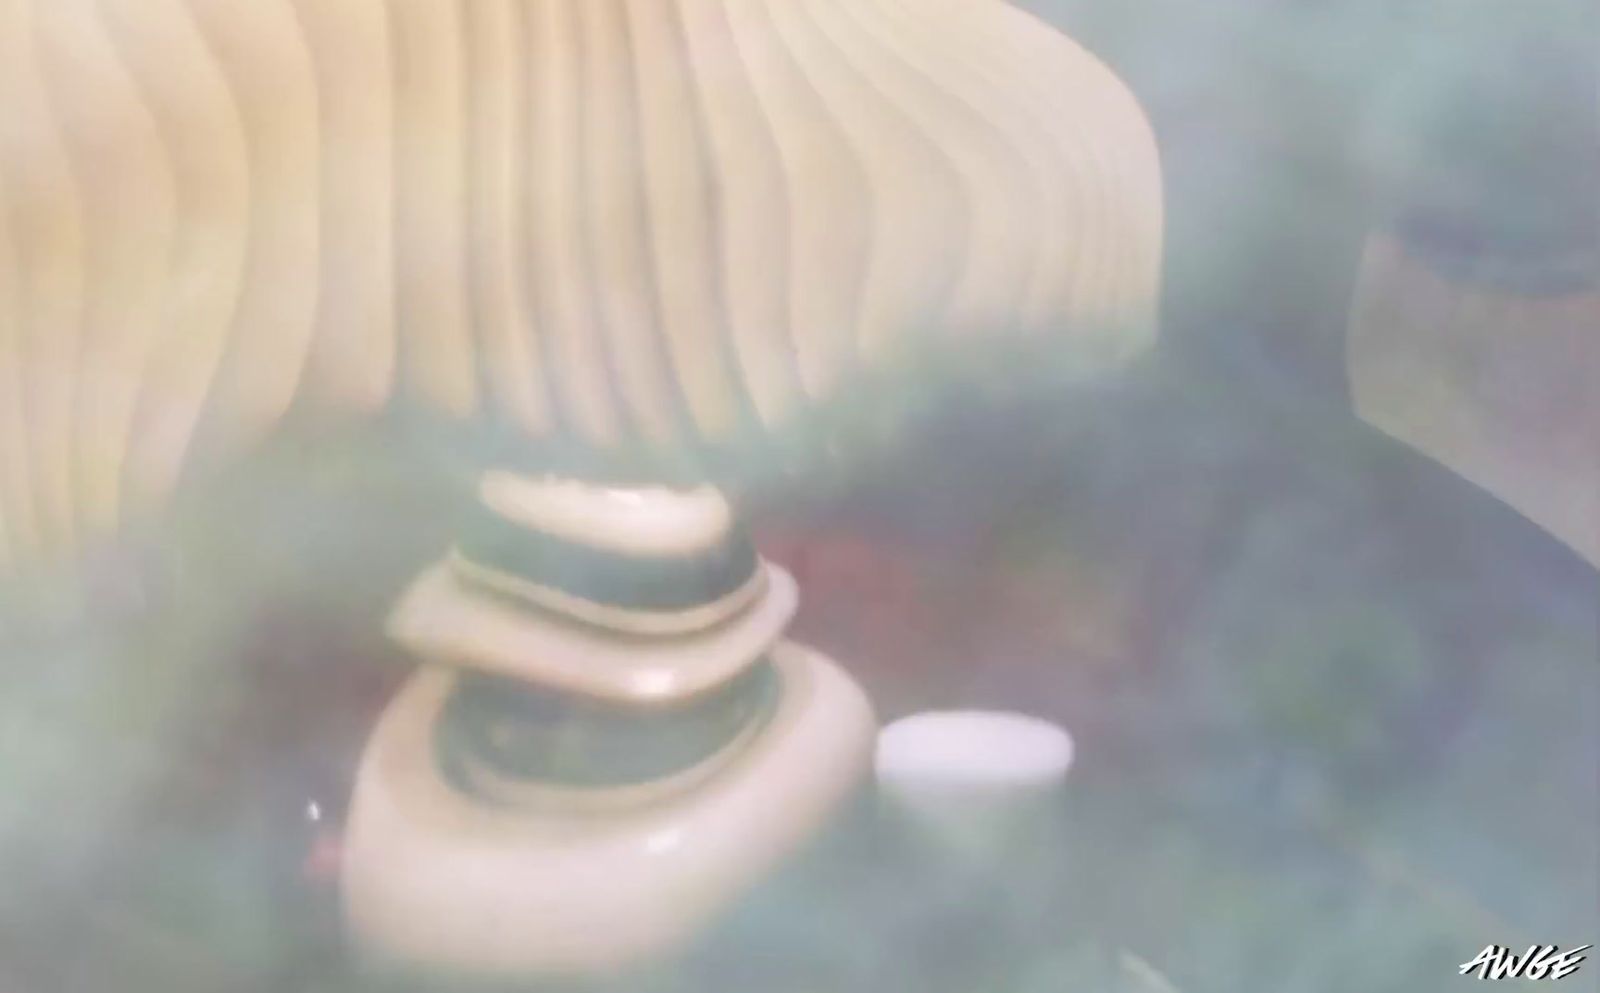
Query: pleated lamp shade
[{"x": 641, "y": 222}]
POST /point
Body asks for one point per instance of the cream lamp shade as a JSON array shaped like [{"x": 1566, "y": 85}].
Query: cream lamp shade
[{"x": 644, "y": 222}]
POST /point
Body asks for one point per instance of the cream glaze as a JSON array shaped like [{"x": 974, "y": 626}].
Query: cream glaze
[
  {"x": 434, "y": 880},
  {"x": 442, "y": 620}
]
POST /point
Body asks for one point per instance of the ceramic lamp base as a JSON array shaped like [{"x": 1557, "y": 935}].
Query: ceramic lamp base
[{"x": 437, "y": 880}]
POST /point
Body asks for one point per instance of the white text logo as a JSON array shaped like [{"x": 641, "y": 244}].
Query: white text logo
[{"x": 1538, "y": 962}]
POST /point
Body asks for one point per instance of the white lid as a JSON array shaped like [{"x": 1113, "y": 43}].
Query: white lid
[{"x": 973, "y": 748}]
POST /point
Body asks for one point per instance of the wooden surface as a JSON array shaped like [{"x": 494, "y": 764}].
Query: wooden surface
[
  {"x": 1500, "y": 384},
  {"x": 1327, "y": 695}
]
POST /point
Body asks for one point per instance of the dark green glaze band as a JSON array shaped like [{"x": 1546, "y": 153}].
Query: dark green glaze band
[
  {"x": 605, "y": 576},
  {"x": 526, "y": 733}
]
